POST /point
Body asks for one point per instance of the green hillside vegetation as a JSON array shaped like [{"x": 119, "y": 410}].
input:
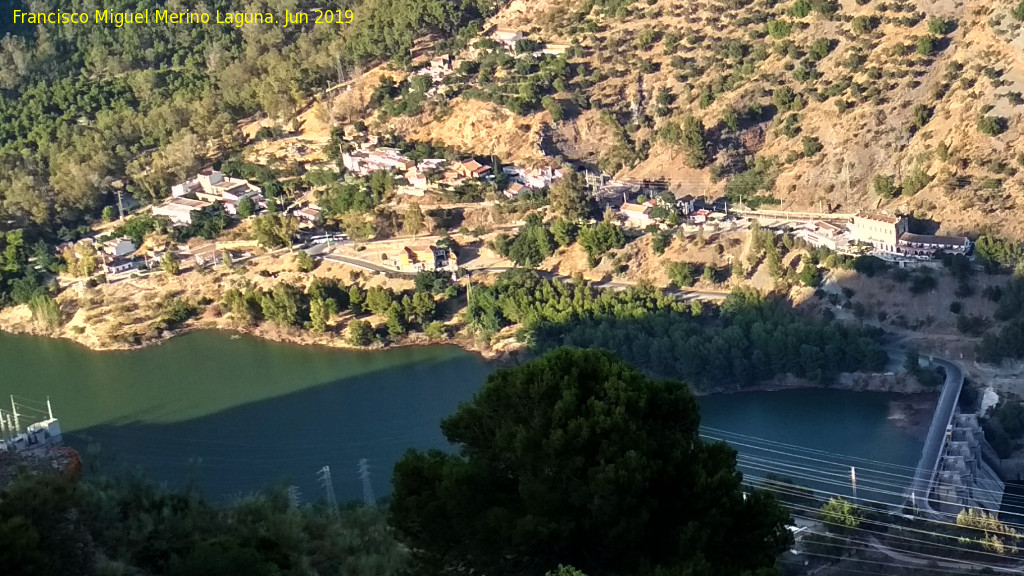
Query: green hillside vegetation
[{"x": 81, "y": 106}]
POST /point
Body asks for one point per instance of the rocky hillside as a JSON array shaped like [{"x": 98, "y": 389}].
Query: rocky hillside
[{"x": 911, "y": 106}]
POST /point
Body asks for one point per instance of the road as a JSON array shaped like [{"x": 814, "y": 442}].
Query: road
[
  {"x": 364, "y": 265},
  {"x": 686, "y": 294},
  {"x": 930, "y": 560}
]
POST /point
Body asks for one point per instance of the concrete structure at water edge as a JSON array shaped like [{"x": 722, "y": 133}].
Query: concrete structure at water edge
[
  {"x": 953, "y": 473},
  {"x": 16, "y": 434}
]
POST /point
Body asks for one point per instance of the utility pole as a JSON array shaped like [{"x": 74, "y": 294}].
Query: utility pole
[
  {"x": 853, "y": 480},
  {"x": 364, "y": 473},
  {"x": 49, "y": 408},
  {"x": 120, "y": 205},
  {"x": 294, "y": 496},
  {"x": 328, "y": 488},
  {"x": 14, "y": 410}
]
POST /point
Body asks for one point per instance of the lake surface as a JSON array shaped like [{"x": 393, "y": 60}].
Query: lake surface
[{"x": 238, "y": 413}]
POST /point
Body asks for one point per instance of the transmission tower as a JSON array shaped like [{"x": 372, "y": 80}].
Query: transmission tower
[
  {"x": 364, "y": 473},
  {"x": 294, "y": 496},
  {"x": 328, "y": 487}
]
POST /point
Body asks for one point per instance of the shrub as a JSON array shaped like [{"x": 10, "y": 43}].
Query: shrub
[
  {"x": 782, "y": 97},
  {"x": 864, "y": 24},
  {"x": 939, "y": 26},
  {"x": 811, "y": 146},
  {"x": 800, "y": 9},
  {"x": 779, "y": 29},
  {"x": 690, "y": 136},
  {"x": 1018, "y": 12},
  {"x": 885, "y": 186},
  {"x": 956, "y": 307},
  {"x": 825, "y": 7},
  {"x": 921, "y": 115},
  {"x": 820, "y": 48},
  {"x": 921, "y": 284},
  {"x": 915, "y": 181},
  {"x": 925, "y": 45},
  {"x": 554, "y": 107},
  {"x": 992, "y": 125}
]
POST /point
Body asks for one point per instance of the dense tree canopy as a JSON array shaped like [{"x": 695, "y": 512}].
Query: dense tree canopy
[
  {"x": 753, "y": 338},
  {"x": 577, "y": 458},
  {"x": 105, "y": 525},
  {"x": 83, "y": 105}
]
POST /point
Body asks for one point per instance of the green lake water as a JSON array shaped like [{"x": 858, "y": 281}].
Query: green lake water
[{"x": 239, "y": 413}]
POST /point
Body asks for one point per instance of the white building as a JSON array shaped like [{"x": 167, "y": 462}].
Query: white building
[
  {"x": 880, "y": 230},
  {"x": 213, "y": 186},
  {"x": 540, "y": 177},
  {"x": 363, "y": 162},
  {"x": 119, "y": 247},
  {"x": 507, "y": 37},
  {"x": 636, "y": 214},
  {"x": 180, "y": 210}
]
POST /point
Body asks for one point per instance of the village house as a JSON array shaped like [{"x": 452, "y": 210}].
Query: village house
[
  {"x": 685, "y": 204},
  {"x": 180, "y": 210},
  {"x": 438, "y": 69},
  {"x": 206, "y": 254},
  {"x": 470, "y": 169},
  {"x": 364, "y": 162},
  {"x": 417, "y": 179},
  {"x": 120, "y": 265},
  {"x": 820, "y": 234},
  {"x": 889, "y": 234},
  {"x": 879, "y": 230},
  {"x": 926, "y": 246},
  {"x": 638, "y": 215},
  {"x": 515, "y": 189},
  {"x": 308, "y": 214},
  {"x": 700, "y": 216},
  {"x": 119, "y": 247},
  {"x": 540, "y": 177},
  {"x": 213, "y": 186},
  {"x": 426, "y": 259},
  {"x": 507, "y": 37}
]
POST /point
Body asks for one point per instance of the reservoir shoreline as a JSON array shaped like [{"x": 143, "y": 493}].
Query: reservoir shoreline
[
  {"x": 244, "y": 413},
  {"x": 507, "y": 351}
]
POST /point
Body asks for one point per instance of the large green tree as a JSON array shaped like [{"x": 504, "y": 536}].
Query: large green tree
[
  {"x": 569, "y": 196},
  {"x": 577, "y": 458}
]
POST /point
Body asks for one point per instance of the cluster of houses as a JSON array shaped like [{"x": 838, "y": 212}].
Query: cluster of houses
[
  {"x": 639, "y": 214},
  {"x": 526, "y": 179},
  {"x": 421, "y": 176},
  {"x": 116, "y": 255},
  {"x": 886, "y": 234},
  {"x": 207, "y": 188}
]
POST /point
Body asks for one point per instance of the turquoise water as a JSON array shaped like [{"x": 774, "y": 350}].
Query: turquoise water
[{"x": 239, "y": 413}]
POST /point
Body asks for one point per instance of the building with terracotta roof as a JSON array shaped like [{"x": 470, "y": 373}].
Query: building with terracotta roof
[
  {"x": 880, "y": 230},
  {"x": 636, "y": 214},
  {"x": 470, "y": 169}
]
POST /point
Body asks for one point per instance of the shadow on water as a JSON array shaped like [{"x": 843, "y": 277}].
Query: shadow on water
[{"x": 289, "y": 438}]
